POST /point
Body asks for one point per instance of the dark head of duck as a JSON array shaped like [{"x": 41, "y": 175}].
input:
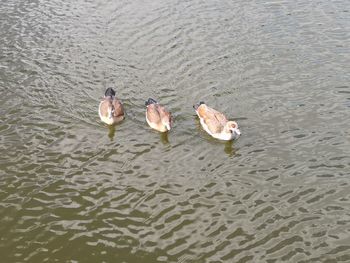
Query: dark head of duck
[
  {"x": 109, "y": 92},
  {"x": 150, "y": 101}
]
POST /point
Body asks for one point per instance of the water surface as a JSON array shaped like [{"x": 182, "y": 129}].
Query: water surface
[{"x": 74, "y": 190}]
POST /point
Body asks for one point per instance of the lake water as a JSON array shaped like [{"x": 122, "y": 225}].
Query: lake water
[{"x": 74, "y": 190}]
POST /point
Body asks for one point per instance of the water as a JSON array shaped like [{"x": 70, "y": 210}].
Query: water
[{"x": 74, "y": 190}]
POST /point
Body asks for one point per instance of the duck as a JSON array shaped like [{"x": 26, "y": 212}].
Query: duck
[
  {"x": 111, "y": 110},
  {"x": 216, "y": 124},
  {"x": 157, "y": 116}
]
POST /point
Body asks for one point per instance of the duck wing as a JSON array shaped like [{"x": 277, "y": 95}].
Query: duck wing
[
  {"x": 118, "y": 108},
  {"x": 153, "y": 115},
  {"x": 165, "y": 115},
  {"x": 103, "y": 108},
  {"x": 214, "y": 119},
  {"x": 220, "y": 117}
]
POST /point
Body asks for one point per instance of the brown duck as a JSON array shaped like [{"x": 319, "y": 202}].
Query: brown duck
[
  {"x": 157, "y": 116},
  {"x": 216, "y": 124},
  {"x": 111, "y": 109}
]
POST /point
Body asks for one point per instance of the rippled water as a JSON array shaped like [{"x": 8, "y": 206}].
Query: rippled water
[{"x": 74, "y": 190}]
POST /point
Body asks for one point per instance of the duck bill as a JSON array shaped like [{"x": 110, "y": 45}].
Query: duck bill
[{"x": 237, "y": 132}]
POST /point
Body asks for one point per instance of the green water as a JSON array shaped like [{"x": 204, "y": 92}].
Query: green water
[{"x": 74, "y": 190}]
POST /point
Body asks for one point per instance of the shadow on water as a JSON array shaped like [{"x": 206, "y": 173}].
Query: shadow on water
[
  {"x": 229, "y": 149},
  {"x": 111, "y": 132},
  {"x": 164, "y": 138}
]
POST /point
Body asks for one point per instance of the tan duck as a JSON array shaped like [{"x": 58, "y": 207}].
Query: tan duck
[
  {"x": 111, "y": 110},
  {"x": 216, "y": 124},
  {"x": 157, "y": 116}
]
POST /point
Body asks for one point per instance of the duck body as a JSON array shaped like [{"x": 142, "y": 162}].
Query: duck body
[
  {"x": 216, "y": 124},
  {"x": 157, "y": 116},
  {"x": 111, "y": 110}
]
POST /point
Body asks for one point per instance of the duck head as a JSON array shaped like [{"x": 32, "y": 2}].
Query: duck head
[{"x": 232, "y": 126}]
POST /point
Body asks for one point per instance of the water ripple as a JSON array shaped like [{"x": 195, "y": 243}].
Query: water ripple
[{"x": 86, "y": 192}]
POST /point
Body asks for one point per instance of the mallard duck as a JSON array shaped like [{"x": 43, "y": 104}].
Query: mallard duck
[
  {"x": 157, "y": 116},
  {"x": 111, "y": 110},
  {"x": 216, "y": 124}
]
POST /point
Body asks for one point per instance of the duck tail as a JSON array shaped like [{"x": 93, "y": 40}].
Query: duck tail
[
  {"x": 150, "y": 101},
  {"x": 195, "y": 106},
  {"x": 109, "y": 92}
]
